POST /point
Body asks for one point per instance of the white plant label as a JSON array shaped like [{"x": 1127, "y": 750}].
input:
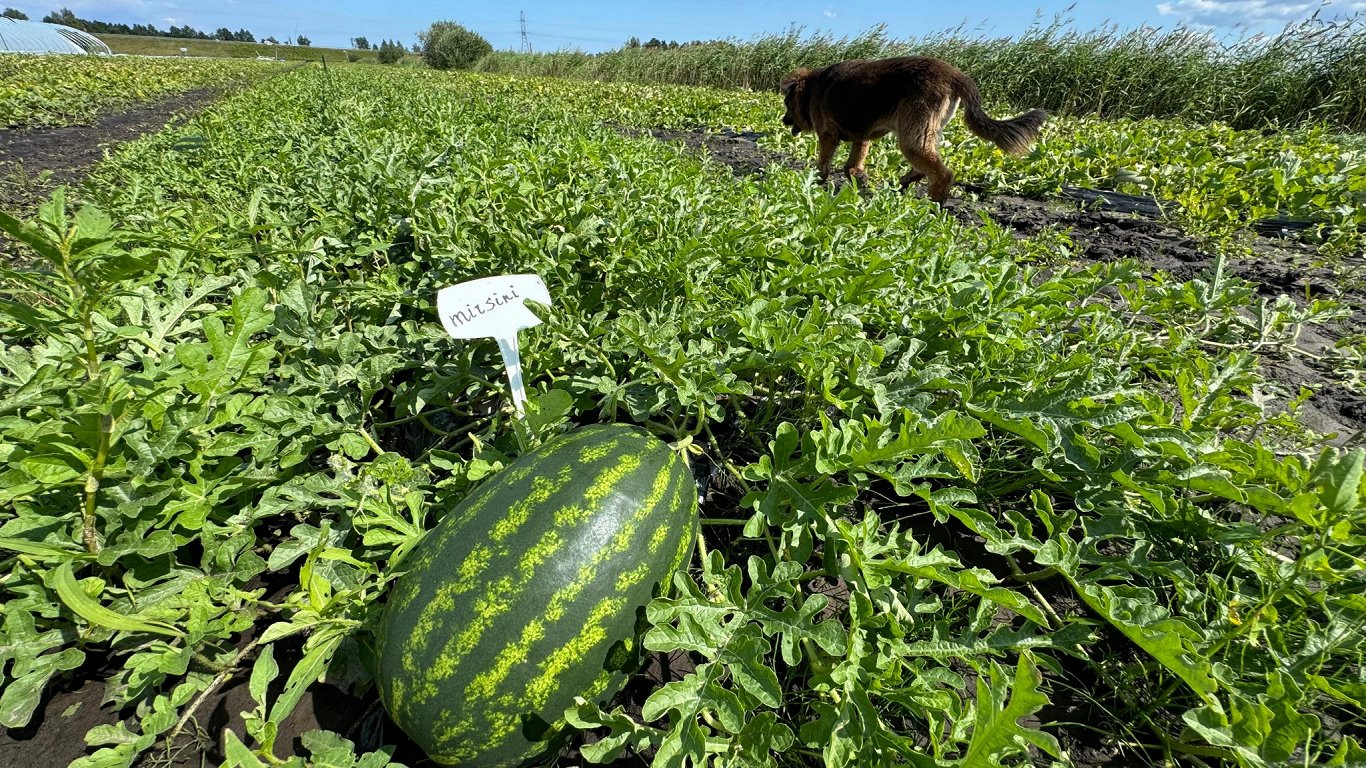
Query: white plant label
[{"x": 493, "y": 307}]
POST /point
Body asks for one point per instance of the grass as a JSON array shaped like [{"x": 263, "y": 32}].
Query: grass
[{"x": 1313, "y": 71}]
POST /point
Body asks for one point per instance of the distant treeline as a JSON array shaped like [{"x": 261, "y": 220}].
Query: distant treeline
[
  {"x": 67, "y": 18},
  {"x": 1312, "y": 71}
]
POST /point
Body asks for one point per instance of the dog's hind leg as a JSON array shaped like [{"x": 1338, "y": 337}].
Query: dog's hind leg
[
  {"x": 918, "y": 138},
  {"x": 953, "y": 110},
  {"x": 928, "y": 163},
  {"x": 858, "y": 153}
]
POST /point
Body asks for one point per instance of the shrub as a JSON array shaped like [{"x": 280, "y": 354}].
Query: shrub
[{"x": 448, "y": 45}]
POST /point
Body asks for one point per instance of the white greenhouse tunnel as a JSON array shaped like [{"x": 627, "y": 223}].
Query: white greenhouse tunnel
[{"x": 37, "y": 37}]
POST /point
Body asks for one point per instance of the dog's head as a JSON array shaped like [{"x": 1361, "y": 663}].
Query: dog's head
[{"x": 792, "y": 89}]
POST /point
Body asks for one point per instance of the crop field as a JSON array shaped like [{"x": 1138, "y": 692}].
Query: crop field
[
  {"x": 1004, "y": 483},
  {"x": 60, "y": 89}
]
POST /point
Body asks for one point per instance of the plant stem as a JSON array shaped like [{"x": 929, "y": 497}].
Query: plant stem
[
  {"x": 224, "y": 674},
  {"x": 92, "y": 486},
  {"x": 374, "y": 446}
]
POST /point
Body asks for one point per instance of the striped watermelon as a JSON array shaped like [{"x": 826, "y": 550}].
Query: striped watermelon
[{"x": 525, "y": 594}]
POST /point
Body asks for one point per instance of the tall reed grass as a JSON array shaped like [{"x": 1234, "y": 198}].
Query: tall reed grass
[{"x": 1312, "y": 71}]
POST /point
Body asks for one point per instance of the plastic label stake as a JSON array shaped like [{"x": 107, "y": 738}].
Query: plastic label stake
[{"x": 493, "y": 307}]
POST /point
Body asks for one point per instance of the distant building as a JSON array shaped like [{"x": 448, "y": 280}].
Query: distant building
[{"x": 38, "y": 37}]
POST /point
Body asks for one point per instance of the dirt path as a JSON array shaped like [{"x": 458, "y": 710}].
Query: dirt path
[
  {"x": 67, "y": 153},
  {"x": 1279, "y": 267}
]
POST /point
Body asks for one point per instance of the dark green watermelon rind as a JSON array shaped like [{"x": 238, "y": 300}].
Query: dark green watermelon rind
[{"x": 472, "y": 677}]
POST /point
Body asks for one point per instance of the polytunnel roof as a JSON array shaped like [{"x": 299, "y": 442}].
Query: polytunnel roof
[{"x": 38, "y": 37}]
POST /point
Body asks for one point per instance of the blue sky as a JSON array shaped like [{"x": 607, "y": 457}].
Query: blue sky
[{"x": 596, "y": 26}]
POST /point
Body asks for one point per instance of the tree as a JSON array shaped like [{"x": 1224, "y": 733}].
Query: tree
[
  {"x": 634, "y": 42},
  {"x": 223, "y": 33},
  {"x": 302, "y": 41},
  {"x": 391, "y": 52},
  {"x": 66, "y": 18},
  {"x": 15, "y": 13},
  {"x": 243, "y": 36},
  {"x": 448, "y": 45},
  {"x": 360, "y": 43}
]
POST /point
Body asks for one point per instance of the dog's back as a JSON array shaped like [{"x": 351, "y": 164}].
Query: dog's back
[{"x": 862, "y": 97}]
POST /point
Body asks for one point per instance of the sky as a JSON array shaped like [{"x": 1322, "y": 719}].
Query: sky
[{"x": 598, "y": 26}]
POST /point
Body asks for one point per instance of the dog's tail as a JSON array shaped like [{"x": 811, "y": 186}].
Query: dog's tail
[{"x": 1013, "y": 135}]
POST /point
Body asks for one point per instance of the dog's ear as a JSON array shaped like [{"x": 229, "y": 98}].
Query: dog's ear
[{"x": 794, "y": 80}]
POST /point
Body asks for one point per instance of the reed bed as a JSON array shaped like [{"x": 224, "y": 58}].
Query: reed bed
[{"x": 1312, "y": 71}]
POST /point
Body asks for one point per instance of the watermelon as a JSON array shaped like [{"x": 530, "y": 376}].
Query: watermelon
[{"x": 526, "y": 594}]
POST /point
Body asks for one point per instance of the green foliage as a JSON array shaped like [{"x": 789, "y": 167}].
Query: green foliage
[
  {"x": 448, "y": 45},
  {"x": 390, "y": 52},
  {"x": 954, "y": 481}
]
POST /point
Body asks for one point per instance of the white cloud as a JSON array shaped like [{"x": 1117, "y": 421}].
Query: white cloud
[
  {"x": 1228, "y": 13},
  {"x": 829, "y": 12}
]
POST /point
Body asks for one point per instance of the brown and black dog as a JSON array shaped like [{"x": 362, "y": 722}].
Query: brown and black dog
[{"x": 914, "y": 97}]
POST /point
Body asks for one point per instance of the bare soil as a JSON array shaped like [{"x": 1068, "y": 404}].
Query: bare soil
[{"x": 34, "y": 161}]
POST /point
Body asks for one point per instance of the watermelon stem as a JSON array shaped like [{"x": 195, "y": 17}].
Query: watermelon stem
[
  {"x": 225, "y": 673},
  {"x": 374, "y": 446},
  {"x": 725, "y": 461}
]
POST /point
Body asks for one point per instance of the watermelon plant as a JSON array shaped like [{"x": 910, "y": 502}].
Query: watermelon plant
[{"x": 968, "y": 503}]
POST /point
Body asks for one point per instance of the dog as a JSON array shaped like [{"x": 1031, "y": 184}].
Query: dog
[{"x": 860, "y": 101}]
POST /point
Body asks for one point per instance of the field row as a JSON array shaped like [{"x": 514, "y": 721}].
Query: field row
[{"x": 38, "y": 91}]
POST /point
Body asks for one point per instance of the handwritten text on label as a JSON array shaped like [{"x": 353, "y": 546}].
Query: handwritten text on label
[{"x": 490, "y": 306}]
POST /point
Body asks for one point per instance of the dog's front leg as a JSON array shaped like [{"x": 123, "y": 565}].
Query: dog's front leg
[{"x": 825, "y": 153}]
